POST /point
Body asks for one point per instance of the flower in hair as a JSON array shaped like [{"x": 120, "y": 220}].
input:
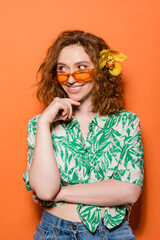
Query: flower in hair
[{"x": 110, "y": 59}]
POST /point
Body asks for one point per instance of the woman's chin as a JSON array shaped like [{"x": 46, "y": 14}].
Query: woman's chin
[{"x": 75, "y": 98}]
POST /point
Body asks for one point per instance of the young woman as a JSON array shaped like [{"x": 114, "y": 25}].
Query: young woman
[{"x": 85, "y": 154}]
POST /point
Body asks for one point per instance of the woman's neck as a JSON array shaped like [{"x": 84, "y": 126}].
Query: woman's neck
[{"x": 84, "y": 110}]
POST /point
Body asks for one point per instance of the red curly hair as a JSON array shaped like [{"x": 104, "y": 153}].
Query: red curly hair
[{"x": 107, "y": 95}]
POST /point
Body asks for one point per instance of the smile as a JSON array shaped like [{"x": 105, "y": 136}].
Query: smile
[{"x": 75, "y": 89}]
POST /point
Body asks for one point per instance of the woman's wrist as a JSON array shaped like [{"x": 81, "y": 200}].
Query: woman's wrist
[
  {"x": 43, "y": 122},
  {"x": 60, "y": 195}
]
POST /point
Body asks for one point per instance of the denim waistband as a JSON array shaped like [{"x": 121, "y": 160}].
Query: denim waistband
[{"x": 57, "y": 224}]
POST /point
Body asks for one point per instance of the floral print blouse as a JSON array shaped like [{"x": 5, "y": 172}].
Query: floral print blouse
[{"x": 113, "y": 149}]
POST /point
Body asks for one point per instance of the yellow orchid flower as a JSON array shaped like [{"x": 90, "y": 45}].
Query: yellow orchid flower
[{"x": 110, "y": 59}]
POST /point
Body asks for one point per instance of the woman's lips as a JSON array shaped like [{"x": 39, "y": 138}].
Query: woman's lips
[{"x": 74, "y": 89}]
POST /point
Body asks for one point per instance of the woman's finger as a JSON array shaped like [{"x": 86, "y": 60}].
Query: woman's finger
[
  {"x": 70, "y": 109},
  {"x": 34, "y": 198},
  {"x": 72, "y": 101}
]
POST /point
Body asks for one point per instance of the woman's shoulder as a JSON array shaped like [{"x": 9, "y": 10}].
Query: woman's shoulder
[
  {"x": 35, "y": 118},
  {"x": 125, "y": 113},
  {"x": 121, "y": 119},
  {"x": 33, "y": 121},
  {"x": 126, "y": 119},
  {"x": 32, "y": 124},
  {"x": 32, "y": 127}
]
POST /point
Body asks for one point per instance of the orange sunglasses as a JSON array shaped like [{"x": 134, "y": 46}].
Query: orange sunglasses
[{"x": 81, "y": 75}]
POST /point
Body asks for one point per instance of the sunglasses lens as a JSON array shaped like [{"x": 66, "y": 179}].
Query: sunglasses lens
[
  {"x": 83, "y": 75},
  {"x": 62, "y": 77}
]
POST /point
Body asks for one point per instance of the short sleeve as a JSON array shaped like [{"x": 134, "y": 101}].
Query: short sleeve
[
  {"x": 131, "y": 165},
  {"x": 31, "y": 135}
]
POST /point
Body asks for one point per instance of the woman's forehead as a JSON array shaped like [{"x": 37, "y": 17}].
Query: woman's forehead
[{"x": 73, "y": 54}]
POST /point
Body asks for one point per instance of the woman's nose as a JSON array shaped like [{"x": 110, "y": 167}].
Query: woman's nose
[{"x": 71, "y": 79}]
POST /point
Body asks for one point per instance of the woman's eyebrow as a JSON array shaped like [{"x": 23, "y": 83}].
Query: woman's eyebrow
[
  {"x": 83, "y": 62},
  {"x": 61, "y": 64}
]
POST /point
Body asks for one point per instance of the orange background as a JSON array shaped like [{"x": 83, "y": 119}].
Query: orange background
[{"x": 27, "y": 30}]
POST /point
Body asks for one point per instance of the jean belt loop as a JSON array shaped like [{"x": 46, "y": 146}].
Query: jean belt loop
[{"x": 58, "y": 226}]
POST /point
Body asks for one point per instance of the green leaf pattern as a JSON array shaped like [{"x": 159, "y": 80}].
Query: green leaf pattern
[{"x": 113, "y": 149}]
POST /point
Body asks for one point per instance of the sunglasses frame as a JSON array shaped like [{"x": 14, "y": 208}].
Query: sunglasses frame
[{"x": 54, "y": 74}]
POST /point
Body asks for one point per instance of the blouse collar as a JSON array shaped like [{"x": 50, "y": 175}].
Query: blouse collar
[{"x": 97, "y": 120}]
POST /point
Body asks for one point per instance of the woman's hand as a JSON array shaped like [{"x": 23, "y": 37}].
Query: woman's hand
[
  {"x": 35, "y": 199},
  {"x": 58, "y": 109}
]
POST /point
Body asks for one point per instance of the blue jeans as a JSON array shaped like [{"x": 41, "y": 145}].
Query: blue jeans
[{"x": 53, "y": 227}]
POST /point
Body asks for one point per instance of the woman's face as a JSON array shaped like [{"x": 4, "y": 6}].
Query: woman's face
[{"x": 70, "y": 59}]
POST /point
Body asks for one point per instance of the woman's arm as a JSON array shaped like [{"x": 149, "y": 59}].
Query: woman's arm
[
  {"x": 103, "y": 193},
  {"x": 44, "y": 170},
  {"x": 44, "y": 176}
]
